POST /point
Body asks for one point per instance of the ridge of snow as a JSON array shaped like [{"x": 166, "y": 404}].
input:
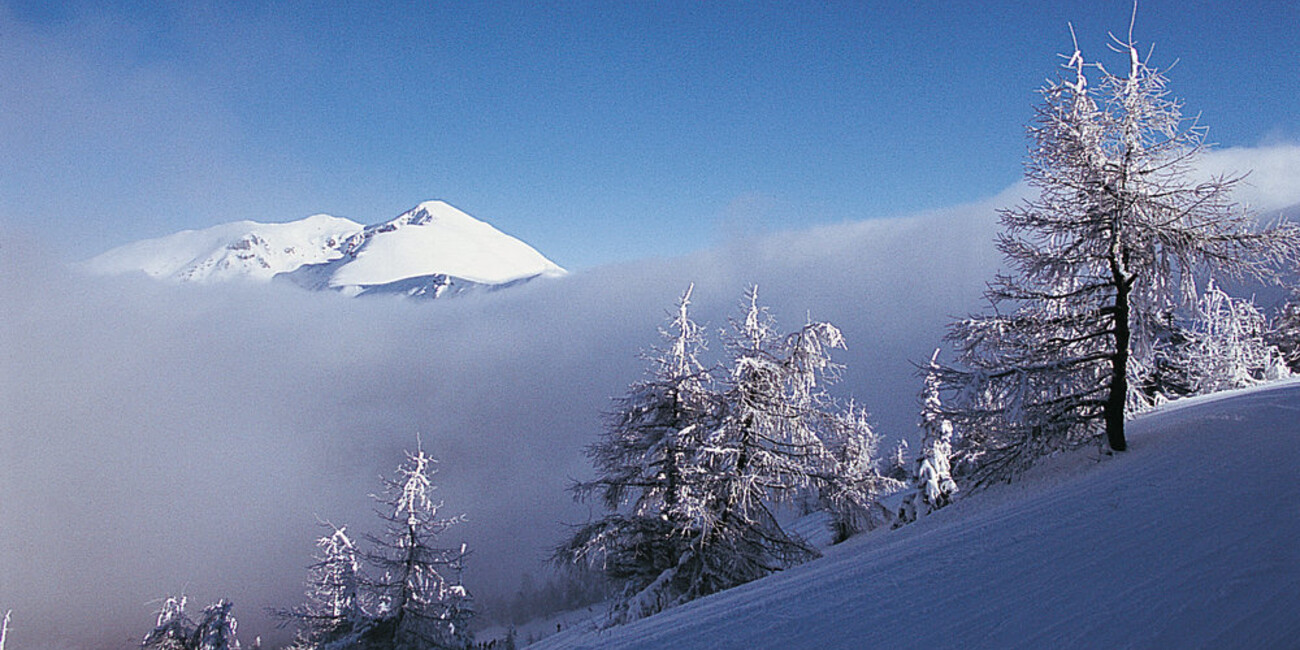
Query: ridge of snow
[
  {"x": 237, "y": 250},
  {"x": 1185, "y": 540},
  {"x": 434, "y": 238}
]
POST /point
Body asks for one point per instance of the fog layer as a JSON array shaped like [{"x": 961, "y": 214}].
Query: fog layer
[{"x": 158, "y": 439}]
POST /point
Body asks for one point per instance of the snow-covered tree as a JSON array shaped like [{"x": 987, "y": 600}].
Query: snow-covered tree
[
  {"x": 334, "y": 610},
  {"x": 1226, "y": 345},
  {"x": 647, "y": 474},
  {"x": 1284, "y": 331},
  {"x": 174, "y": 630},
  {"x": 781, "y": 440},
  {"x": 1116, "y": 239},
  {"x": 898, "y": 465},
  {"x": 412, "y": 596},
  {"x": 933, "y": 486},
  {"x": 420, "y": 601},
  {"x": 691, "y": 467},
  {"x": 852, "y": 490},
  {"x": 216, "y": 628}
]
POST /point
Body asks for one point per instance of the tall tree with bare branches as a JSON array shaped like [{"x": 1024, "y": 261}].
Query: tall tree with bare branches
[{"x": 1117, "y": 239}]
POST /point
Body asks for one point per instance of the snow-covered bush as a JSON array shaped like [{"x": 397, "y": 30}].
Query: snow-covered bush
[{"x": 1227, "y": 347}]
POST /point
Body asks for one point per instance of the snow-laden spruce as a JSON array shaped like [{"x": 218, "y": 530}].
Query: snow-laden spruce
[
  {"x": 1112, "y": 247},
  {"x": 174, "y": 630},
  {"x": 412, "y": 597},
  {"x": 333, "y": 610},
  {"x": 933, "y": 486},
  {"x": 421, "y": 602},
  {"x": 695, "y": 459},
  {"x": 646, "y": 480}
]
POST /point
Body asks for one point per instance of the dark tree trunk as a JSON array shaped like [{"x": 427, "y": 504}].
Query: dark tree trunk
[{"x": 1118, "y": 397}]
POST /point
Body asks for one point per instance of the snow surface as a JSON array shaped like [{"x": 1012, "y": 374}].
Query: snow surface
[
  {"x": 244, "y": 250},
  {"x": 435, "y": 238},
  {"x": 1187, "y": 540}
]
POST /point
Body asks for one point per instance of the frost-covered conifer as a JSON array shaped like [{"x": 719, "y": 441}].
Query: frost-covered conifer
[
  {"x": 420, "y": 601},
  {"x": 1114, "y": 241},
  {"x": 1284, "y": 331},
  {"x": 933, "y": 486},
  {"x": 648, "y": 474},
  {"x": 216, "y": 628},
  {"x": 691, "y": 467},
  {"x": 852, "y": 489},
  {"x": 781, "y": 439},
  {"x": 334, "y": 611},
  {"x": 898, "y": 467},
  {"x": 174, "y": 630}
]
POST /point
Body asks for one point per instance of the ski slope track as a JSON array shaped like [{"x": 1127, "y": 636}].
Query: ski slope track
[{"x": 1188, "y": 540}]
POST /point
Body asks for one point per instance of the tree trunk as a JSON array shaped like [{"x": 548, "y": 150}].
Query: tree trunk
[{"x": 1118, "y": 397}]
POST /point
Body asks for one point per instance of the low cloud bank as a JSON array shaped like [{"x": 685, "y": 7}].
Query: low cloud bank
[
  {"x": 1272, "y": 180},
  {"x": 159, "y": 439}
]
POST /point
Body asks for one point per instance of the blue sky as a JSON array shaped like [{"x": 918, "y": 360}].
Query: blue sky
[{"x": 597, "y": 131}]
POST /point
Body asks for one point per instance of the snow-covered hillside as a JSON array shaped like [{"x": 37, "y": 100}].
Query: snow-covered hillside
[
  {"x": 429, "y": 250},
  {"x": 1187, "y": 540}
]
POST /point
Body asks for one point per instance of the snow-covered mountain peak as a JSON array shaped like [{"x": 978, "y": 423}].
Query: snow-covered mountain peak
[
  {"x": 435, "y": 238},
  {"x": 428, "y": 250},
  {"x": 435, "y": 212}
]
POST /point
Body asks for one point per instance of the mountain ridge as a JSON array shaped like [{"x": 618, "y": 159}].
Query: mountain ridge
[{"x": 431, "y": 250}]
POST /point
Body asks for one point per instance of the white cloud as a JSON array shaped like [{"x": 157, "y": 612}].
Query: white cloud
[{"x": 1273, "y": 180}]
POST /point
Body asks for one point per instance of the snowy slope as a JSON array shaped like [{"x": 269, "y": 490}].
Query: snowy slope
[
  {"x": 1188, "y": 540},
  {"x": 240, "y": 250}
]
